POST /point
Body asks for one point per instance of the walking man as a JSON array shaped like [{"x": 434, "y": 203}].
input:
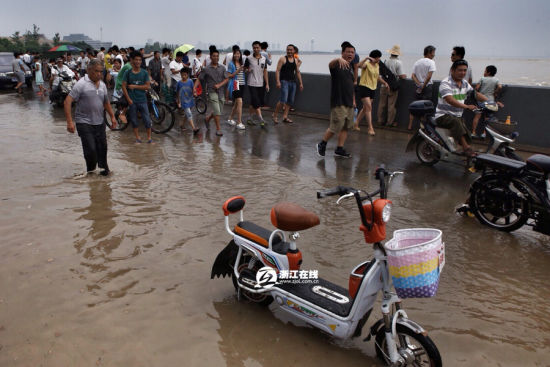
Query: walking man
[
  {"x": 286, "y": 74},
  {"x": 215, "y": 78},
  {"x": 423, "y": 70},
  {"x": 19, "y": 71},
  {"x": 388, "y": 97},
  {"x": 92, "y": 99},
  {"x": 256, "y": 69},
  {"x": 135, "y": 84},
  {"x": 342, "y": 101}
]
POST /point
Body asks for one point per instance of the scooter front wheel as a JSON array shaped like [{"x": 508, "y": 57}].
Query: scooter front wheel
[
  {"x": 426, "y": 153},
  {"x": 416, "y": 349},
  {"x": 498, "y": 202},
  {"x": 259, "y": 298}
]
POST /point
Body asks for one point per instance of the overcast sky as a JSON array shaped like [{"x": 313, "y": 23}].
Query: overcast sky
[{"x": 489, "y": 27}]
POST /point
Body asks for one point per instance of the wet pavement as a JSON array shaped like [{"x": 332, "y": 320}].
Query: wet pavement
[{"x": 116, "y": 271}]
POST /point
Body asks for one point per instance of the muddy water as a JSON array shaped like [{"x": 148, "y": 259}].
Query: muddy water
[{"x": 116, "y": 271}]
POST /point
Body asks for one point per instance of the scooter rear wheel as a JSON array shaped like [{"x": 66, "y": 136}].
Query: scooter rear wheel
[
  {"x": 417, "y": 349},
  {"x": 426, "y": 153},
  {"x": 259, "y": 298}
]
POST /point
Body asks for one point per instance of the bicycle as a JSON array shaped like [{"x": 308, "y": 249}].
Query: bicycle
[{"x": 162, "y": 116}]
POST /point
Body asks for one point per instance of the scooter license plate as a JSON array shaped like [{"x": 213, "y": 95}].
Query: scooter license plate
[{"x": 441, "y": 258}]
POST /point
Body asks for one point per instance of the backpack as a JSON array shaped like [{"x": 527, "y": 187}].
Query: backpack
[{"x": 388, "y": 76}]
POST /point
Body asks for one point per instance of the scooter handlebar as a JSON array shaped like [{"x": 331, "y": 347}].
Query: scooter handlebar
[{"x": 338, "y": 190}]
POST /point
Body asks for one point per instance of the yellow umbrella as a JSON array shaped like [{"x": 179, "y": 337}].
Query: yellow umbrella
[{"x": 183, "y": 48}]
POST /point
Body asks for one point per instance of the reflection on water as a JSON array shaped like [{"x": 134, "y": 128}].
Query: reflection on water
[{"x": 116, "y": 270}]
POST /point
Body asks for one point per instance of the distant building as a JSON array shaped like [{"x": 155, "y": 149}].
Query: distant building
[{"x": 80, "y": 37}]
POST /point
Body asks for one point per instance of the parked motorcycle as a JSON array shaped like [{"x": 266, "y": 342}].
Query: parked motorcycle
[
  {"x": 510, "y": 193},
  {"x": 66, "y": 84},
  {"x": 259, "y": 260},
  {"x": 434, "y": 143}
]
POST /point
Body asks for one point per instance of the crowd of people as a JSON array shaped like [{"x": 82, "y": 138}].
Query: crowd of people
[{"x": 130, "y": 73}]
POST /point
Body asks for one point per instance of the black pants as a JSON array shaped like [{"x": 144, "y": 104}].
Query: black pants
[{"x": 94, "y": 145}]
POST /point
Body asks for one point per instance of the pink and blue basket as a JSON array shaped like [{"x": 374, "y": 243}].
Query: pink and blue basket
[{"x": 415, "y": 260}]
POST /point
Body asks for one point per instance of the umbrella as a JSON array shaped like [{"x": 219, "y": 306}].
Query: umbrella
[
  {"x": 66, "y": 48},
  {"x": 183, "y": 48}
]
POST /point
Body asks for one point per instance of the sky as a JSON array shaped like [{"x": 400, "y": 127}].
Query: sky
[{"x": 486, "y": 28}]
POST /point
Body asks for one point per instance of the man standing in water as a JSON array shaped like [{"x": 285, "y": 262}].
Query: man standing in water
[
  {"x": 342, "y": 101},
  {"x": 92, "y": 99}
]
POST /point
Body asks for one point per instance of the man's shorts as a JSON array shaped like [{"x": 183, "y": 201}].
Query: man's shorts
[
  {"x": 132, "y": 114},
  {"x": 288, "y": 91},
  {"x": 20, "y": 76},
  {"x": 455, "y": 125},
  {"x": 341, "y": 118},
  {"x": 256, "y": 96},
  {"x": 238, "y": 93},
  {"x": 216, "y": 102},
  {"x": 365, "y": 92}
]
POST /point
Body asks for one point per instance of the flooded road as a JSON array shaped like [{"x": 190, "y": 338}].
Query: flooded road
[{"x": 116, "y": 271}]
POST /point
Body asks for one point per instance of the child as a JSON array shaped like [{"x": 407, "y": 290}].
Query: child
[
  {"x": 489, "y": 86},
  {"x": 185, "y": 92},
  {"x": 38, "y": 77}
]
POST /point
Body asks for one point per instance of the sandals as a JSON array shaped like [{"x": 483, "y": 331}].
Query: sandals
[
  {"x": 393, "y": 124},
  {"x": 275, "y": 119},
  {"x": 356, "y": 128},
  {"x": 287, "y": 120}
]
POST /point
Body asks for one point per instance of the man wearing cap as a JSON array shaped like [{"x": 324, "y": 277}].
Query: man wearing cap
[{"x": 388, "y": 97}]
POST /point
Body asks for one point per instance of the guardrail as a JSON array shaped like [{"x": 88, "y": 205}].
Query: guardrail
[{"x": 524, "y": 104}]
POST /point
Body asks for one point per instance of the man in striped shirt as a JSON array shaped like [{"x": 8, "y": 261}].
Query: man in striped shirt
[{"x": 453, "y": 91}]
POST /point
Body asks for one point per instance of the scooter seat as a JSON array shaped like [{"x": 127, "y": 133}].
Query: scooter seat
[
  {"x": 292, "y": 217},
  {"x": 260, "y": 235},
  {"x": 539, "y": 162}
]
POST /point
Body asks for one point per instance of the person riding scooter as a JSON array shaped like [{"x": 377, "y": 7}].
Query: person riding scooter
[
  {"x": 450, "y": 105},
  {"x": 58, "y": 72}
]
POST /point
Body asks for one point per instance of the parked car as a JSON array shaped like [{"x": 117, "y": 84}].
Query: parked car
[{"x": 7, "y": 77}]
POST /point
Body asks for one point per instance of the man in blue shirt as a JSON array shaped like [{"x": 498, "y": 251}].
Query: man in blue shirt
[{"x": 135, "y": 84}]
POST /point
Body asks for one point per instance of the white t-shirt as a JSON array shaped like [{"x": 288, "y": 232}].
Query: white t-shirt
[
  {"x": 56, "y": 71},
  {"x": 422, "y": 67},
  {"x": 196, "y": 66},
  {"x": 255, "y": 78},
  {"x": 207, "y": 61},
  {"x": 176, "y": 66}
]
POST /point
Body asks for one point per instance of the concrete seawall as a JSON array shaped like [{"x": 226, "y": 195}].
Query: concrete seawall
[{"x": 524, "y": 104}]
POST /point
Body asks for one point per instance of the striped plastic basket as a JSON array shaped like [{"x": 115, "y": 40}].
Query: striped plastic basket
[{"x": 415, "y": 260}]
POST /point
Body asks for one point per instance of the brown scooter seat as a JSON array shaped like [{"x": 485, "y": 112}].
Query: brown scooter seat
[{"x": 291, "y": 217}]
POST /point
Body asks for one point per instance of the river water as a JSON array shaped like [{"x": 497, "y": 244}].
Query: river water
[
  {"x": 116, "y": 271},
  {"x": 517, "y": 71}
]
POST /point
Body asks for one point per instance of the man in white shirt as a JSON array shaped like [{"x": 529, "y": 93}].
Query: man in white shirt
[
  {"x": 256, "y": 69},
  {"x": 196, "y": 65},
  {"x": 175, "y": 68},
  {"x": 422, "y": 74},
  {"x": 451, "y": 103}
]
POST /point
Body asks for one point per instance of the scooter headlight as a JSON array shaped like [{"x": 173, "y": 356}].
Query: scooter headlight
[{"x": 386, "y": 213}]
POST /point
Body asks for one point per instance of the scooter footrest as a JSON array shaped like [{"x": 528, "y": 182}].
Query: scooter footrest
[{"x": 247, "y": 281}]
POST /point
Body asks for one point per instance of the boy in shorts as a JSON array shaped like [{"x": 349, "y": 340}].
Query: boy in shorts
[
  {"x": 185, "y": 90},
  {"x": 490, "y": 87},
  {"x": 135, "y": 84}
]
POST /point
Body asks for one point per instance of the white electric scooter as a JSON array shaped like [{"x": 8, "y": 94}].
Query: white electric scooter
[{"x": 257, "y": 259}]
